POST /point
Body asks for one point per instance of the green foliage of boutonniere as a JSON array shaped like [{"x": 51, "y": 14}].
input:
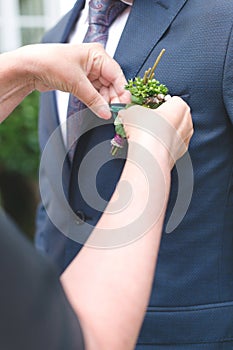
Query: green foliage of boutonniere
[
  {"x": 149, "y": 95},
  {"x": 146, "y": 92}
]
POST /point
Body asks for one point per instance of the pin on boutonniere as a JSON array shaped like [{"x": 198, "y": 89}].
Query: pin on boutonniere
[{"x": 146, "y": 92}]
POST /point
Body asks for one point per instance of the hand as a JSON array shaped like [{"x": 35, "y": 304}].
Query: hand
[
  {"x": 170, "y": 125},
  {"x": 177, "y": 113},
  {"x": 85, "y": 70}
]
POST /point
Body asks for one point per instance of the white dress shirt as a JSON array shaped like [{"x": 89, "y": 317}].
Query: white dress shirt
[{"x": 77, "y": 37}]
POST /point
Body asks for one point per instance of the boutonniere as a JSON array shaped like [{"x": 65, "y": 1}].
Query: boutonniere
[{"x": 146, "y": 92}]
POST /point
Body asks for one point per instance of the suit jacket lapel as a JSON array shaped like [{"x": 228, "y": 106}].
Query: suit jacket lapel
[
  {"x": 60, "y": 33},
  {"x": 71, "y": 20},
  {"x": 137, "y": 41}
]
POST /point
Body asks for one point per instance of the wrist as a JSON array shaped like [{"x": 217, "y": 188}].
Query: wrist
[
  {"x": 154, "y": 133},
  {"x": 27, "y": 66},
  {"x": 15, "y": 83},
  {"x": 148, "y": 143}
]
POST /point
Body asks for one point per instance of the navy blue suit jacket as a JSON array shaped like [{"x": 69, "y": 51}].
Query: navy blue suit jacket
[{"x": 191, "y": 304}]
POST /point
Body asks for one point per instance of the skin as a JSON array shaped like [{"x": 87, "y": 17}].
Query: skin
[
  {"x": 107, "y": 301},
  {"x": 85, "y": 70},
  {"x": 116, "y": 283}
]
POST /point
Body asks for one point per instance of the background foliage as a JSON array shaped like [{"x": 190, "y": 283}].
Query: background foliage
[
  {"x": 18, "y": 138},
  {"x": 19, "y": 161}
]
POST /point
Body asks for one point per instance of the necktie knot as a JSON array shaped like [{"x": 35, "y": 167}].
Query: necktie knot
[{"x": 104, "y": 12}]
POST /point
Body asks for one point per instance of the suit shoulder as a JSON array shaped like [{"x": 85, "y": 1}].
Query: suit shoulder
[{"x": 55, "y": 33}]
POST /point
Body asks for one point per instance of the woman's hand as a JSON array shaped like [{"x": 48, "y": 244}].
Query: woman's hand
[
  {"x": 169, "y": 127},
  {"x": 85, "y": 70}
]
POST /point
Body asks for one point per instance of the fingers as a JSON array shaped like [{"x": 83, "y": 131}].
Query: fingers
[
  {"x": 177, "y": 113},
  {"x": 170, "y": 124},
  {"x": 109, "y": 74},
  {"x": 107, "y": 78},
  {"x": 117, "y": 90},
  {"x": 92, "y": 99},
  {"x": 122, "y": 96}
]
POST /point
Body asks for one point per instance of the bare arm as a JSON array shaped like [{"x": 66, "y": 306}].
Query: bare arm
[
  {"x": 84, "y": 70},
  {"x": 109, "y": 288}
]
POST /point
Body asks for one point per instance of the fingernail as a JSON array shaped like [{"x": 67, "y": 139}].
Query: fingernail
[{"x": 104, "y": 112}]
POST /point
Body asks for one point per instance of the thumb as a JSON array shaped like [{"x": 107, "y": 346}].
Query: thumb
[{"x": 92, "y": 99}]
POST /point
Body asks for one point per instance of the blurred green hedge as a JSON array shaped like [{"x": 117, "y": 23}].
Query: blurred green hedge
[
  {"x": 19, "y": 162},
  {"x": 19, "y": 138}
]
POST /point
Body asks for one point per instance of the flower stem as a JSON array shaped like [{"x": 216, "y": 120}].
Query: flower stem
[
  {"x": 145, "y": 78},
  {"x": 155, "y": 64}
]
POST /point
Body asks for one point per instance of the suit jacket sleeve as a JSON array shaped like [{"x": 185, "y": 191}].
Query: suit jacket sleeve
[{"x": 35, "y": 313}]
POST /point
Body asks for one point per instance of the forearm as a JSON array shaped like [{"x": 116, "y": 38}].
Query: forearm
[
  {"x": 111, "y": 313},
  {"x": 15, "y": 81}
]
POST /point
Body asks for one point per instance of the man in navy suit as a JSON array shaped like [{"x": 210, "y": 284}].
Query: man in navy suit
[{"x": 191, "y": 303}]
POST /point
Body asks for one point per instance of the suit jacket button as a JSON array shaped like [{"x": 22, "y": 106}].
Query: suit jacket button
[{"x": 81, "y": 218}]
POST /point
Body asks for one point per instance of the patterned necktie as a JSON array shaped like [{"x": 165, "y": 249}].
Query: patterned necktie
[{"x": 101, "y": 15}]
